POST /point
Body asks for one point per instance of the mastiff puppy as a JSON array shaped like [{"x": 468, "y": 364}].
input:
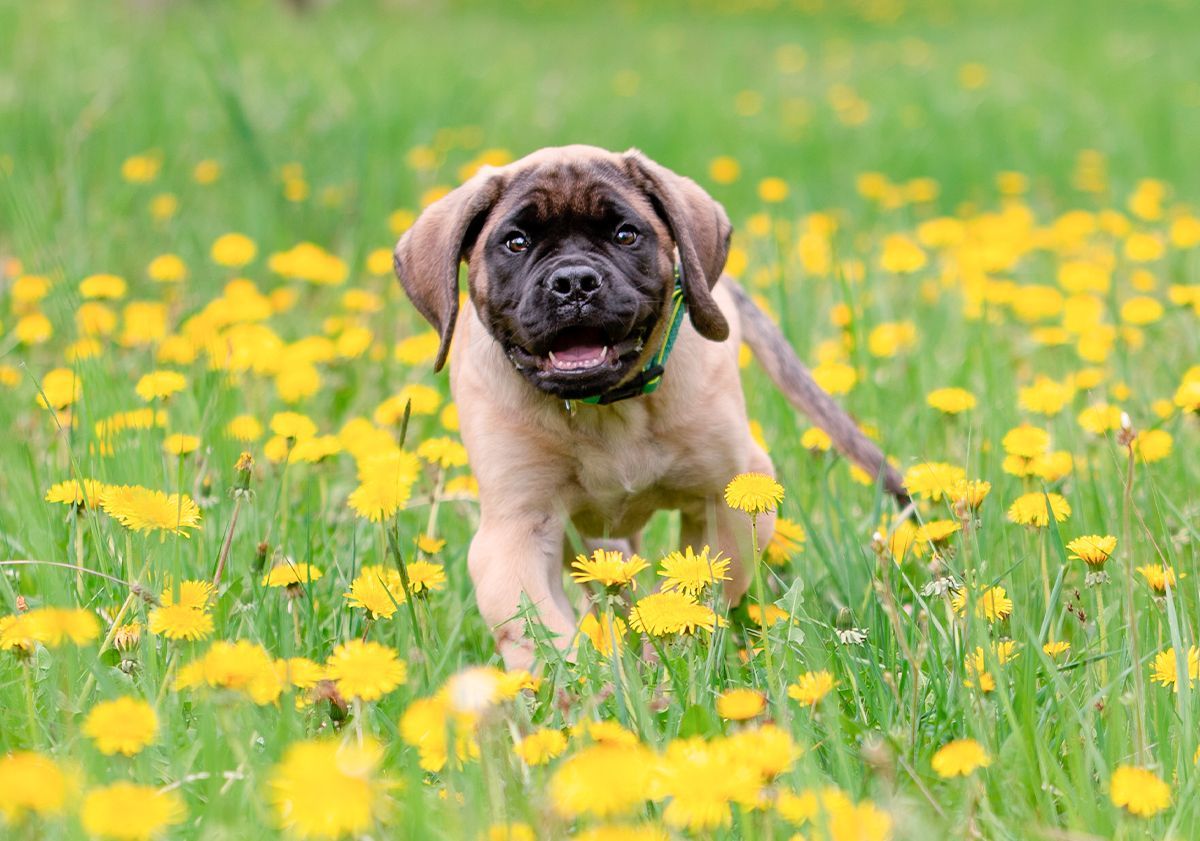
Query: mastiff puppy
[{"x": 595, "y": 368}]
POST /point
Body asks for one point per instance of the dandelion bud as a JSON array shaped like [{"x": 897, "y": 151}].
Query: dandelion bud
[
  {"x": 260, "y": 555},
  {"x": 879, "y": 544},
  {"x": 1127, "y": 433},
  {"x": 22, "y": 605},
  {"x": 845, "y": 619},
  {"x": 241, "y": 483},
  {"x": 127, "y": 636}
]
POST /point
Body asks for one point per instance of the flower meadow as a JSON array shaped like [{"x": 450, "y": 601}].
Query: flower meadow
[{"x": 235, "y": 510}]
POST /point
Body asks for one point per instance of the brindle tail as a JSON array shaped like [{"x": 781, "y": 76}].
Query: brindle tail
[{"x": 793, "y": 378}]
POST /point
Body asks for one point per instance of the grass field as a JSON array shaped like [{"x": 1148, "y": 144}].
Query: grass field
[{"x": 978, "y": 222}]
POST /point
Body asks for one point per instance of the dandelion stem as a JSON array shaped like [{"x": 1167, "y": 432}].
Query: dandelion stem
[
  {"x": 227, "y": 543},
  {"x": 31, "y": 704},
  {"x": 1139, "y": 686},
  {"x": 761, "y": 593}
]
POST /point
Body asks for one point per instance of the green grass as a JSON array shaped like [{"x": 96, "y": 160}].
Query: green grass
[{"x": 346, "y": 92}]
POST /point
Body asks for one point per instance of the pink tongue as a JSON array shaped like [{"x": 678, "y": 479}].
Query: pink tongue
[
  {"x": 579, "y": 345},
  {"x": 578, "y": 353}
]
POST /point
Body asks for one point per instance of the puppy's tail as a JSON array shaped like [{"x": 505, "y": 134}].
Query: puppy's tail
[{"x": 793, "y": 378}]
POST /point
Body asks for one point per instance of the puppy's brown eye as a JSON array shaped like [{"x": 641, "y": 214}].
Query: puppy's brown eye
[
  {"x": 625, "y": 235},
  {"x": 516, "y": 243}
]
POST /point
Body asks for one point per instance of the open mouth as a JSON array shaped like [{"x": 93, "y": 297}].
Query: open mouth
[
  {"x": 585, "y": 349},
  {"x": 579, "y": 349}
]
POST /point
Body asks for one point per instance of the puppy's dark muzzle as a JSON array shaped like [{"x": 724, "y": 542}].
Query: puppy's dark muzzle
[{"x": 573, "y": 285}]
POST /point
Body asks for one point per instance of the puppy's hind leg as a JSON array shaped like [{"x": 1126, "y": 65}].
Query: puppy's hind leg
[{"x": 722, "y": 528}]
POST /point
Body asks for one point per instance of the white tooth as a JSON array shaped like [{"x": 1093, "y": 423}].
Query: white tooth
[{"x": 553, "y": 361}]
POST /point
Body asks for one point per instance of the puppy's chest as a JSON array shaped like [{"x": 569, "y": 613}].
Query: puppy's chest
[{"x": 626, "y": 469}]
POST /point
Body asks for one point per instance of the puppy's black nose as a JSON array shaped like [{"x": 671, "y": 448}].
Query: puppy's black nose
[{"x": 573, "y": 284}]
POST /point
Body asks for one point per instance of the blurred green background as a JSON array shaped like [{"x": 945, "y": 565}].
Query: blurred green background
[{"x": 813, "y": 91}]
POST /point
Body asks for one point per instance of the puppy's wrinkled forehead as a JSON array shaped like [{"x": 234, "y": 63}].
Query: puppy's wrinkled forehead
[{"x": 569, "y": 192}]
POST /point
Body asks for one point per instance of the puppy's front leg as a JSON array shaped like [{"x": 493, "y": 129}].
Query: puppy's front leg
[{"x": 513, "y": 555}]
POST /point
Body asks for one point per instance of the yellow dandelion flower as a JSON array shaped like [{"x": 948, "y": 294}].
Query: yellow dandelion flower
[
  {"x": 740, "y": 704},
  {"x": 1045, "y": 396},
  {"x": 293, "y": 425},
  {"x": 1026, "y": 441},
  {"x": 835, "y": 377},
  {"x": 127, "y": 811},
  {"x": 951, "y": 401},
  {"x": 1187, "y": 396},
  {"x": 1092, "y": 549},
  {"x": 976, "y": 672},
  {"x": 816, "y": 440},
  {"x": 608, "y": 567},
  {"x": 124, "y": 725},
  {"x": 167, "y": 268},
  {"x": 969, "y": 493},
  {"x": 1158, "y": 577},
  {"x": 327, "y": 789},
  {"x": 366, "y": 670},
  {"x": 540, "y": 746},
  {"x": 787, "y": 540},
  {"x": 768, "y": 749},
  {"x": 159, "y": 385},
  {"x": 933, "y": 480},
  {"x": 772, "y": 190},
  {"x": 50, "y": 626},
  {"x": 603, "y": 780},
  {"x": 1139, "y": 791},
  {"x": 418, "y": 350},
  {"x": 992, "y": 604},
  {"x": 901, "y": 255},
  {"x": 1100, "y": 418},
  {"x": 59, "y": 388},
  {"x": 242, "y": 666},
  {"x": 937, "y": 531},
  {"x": 288, "y": 574},
  {"x": 693, "y": 573},
  {"x": 143, "y": 510},
  {"x": 604, "y": 633},
  {"x": 425, "y": 577},
  {"x": 1164, "y": 670},
  {"x": 81, "y": 495},
  {"x": 1031, "y": 509},
  {"x": 193, "y": 593},
  {"x": 773, "y": 614},
  {"x": 443, "y": 451},
  {"x": 811, "y": 687},
  {"x": 960, "y": 758},
  {"x": 724, "y": 169},
  {"x": 103, "y": 286},
  {"x": 181, "y": 622},
  {"x": 377, "y": 589},
  {"x": 426, "y": 725},
  {"x": 702, "y": 780},
  {"x": 754, "y": 493},
  {"x": 233, "y": 250},
  {"x": 1056, "y": 647},
  {"x": 180, "y": 444},
  {"x": 1153, "y": 445},
  {"x": 31, "y": 784},
  {"x": 671, "y": 612}
]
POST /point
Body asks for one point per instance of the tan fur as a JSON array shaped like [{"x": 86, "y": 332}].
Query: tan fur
[{"x": 606, "y": 469}]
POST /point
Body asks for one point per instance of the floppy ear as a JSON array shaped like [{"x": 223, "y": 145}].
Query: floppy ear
[
  {"x": 701, "y": 231},
  {"x": 427, "y": 256}
]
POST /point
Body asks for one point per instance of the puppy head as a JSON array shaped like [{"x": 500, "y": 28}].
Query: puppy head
[{"x": 571, "y": 255}]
